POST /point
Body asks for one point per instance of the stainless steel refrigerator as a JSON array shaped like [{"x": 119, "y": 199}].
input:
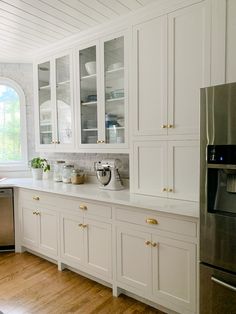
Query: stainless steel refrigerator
[{"x": 218, "y": 200}]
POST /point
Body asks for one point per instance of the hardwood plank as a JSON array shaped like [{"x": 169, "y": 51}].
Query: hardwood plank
[{"x": 29, "y": 284}]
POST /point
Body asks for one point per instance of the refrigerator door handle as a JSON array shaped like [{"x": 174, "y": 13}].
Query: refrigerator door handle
[{"x": 224, "y": 284}]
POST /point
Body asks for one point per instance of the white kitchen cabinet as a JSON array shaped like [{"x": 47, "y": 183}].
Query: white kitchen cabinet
[
  {"x": 54, "y": 115},
  {"x": 86, "y": 244},
  {"x": 169, "y": 69},
  {"x": 158, "y": 267},
  {"x": 167, "y": 168},
  {"x": 39, "y": 228},
  {"x": 102, "y": 91}
]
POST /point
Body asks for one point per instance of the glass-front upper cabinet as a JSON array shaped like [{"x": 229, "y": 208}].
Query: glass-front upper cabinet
[
  {"x": 63, "y": 100},
  {"x": 114, "y": 90},
  {"x": 45, "y": 103},
  {"x": 103, "y": 93},
  {"x": 55, "y": 104},
  {"x": 88, "y": 95}
]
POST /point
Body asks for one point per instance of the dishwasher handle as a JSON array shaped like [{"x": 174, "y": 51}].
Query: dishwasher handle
[{"x": 5, "y": 193}]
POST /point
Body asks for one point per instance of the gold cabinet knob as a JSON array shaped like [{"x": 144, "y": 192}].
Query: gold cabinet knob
[
  {"x": 153, "y": 244},
  {"x": 80, "y": 225},
  {"x": 151, "y": 221},
  {"x": 164, "y": 190},
  {"x": 98, "y": 142},
  {"x": 169, "y": 190},
  {"x": 36, "y": 198},
  {"x": 57, "y": 142},
  {"x": 147, "y": 242},
  {"x": 164, "y": 126},
  {"x": 34, "y": 213},
  {"x": 83, "y": 207},
  {"x": 102, "y": 141},
  {"x": 52, "y": 142},
  {"x": 38, "y": 213},
  {"x": 170, "y": 126},
  {"x": 85, "y": 226}
]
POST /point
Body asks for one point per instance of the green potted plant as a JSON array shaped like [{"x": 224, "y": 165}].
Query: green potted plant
[{"x": 38, "y": 166}]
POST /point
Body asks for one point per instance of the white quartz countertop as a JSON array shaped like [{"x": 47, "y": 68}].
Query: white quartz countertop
[{"x": 91, "y": 191}]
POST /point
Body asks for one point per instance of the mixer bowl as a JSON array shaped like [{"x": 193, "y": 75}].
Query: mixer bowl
[{"x": 103, "y": 176}]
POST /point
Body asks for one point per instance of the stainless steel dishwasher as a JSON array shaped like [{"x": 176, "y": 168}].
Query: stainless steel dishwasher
[{"x": 7, "y": 233}]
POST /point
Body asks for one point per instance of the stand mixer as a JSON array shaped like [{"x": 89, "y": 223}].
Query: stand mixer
[{"x": 108, "y": 174}]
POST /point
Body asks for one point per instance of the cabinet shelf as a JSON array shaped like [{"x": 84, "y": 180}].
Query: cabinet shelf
[
  {"x": 115, "y": 70},
  {"x": 87, "y": 77},
  {"x": 116, "y": 128},
  {"x": 89, "y": 130},
  {"x": 63, "y": 83},
  {"x": 89, "y": 103},
  {"x": 46, "y": 87},
  {"x": 120, "y": 99}
]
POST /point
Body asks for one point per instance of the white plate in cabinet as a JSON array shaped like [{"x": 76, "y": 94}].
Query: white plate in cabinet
[{"x": 169, "y": 169}]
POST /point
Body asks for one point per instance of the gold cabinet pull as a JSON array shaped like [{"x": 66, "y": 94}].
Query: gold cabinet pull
[
  {"x": 80, "y": 225},
  {"x": 100, "y": 142},
  {"x": 38, "y": 213},
  {"x": 147, "y": 242},
  {"x": 34, "y": 213},
  {"x": 164, "y": 126},
  {"x": 169, "y": 190},
  {"x": 164, "y": 190},
  {"x": 36, "y": 198},
  {"x": 83, "y": 207},
  {"x": 153, "y": 244},
  {"x": 85, "y": 226},
  {"x": 170, "y": 126},
  {"x": 151, "y": 221},
  {"x": 52, "y": 142}
]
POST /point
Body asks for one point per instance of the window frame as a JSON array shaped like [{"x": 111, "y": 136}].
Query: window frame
[{"x": 22, "y": 164}]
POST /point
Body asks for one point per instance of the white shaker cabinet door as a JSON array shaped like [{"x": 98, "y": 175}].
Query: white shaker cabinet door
[
  {"x": 150, "y": 167},
  {"x": 29, "y": 226},
  {"x": 174, "y": 273},
  {"x": 183, "y": 170},
  {"x": 188, "y": 66},
  {"x": 72, "y": 238},
  {"x": 134, "y": 259},
  {"x": 98, "y": 247},
  {"x": 150, "y": 70},
  {"x": 48, "y": 224}
]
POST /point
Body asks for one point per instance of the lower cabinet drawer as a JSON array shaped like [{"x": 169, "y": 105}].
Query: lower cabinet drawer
[{"x": 156, "y": 221}]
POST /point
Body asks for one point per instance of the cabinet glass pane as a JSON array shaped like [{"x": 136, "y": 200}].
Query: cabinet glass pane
[
  {"x": 63, "y": 100},
  {"x": 45, "y": 104},
  {"x": 88, "y": 95},
  {"x": 114, "y": 90}
]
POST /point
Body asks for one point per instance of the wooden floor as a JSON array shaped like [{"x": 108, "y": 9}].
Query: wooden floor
[{"x": 29, "y": 284}]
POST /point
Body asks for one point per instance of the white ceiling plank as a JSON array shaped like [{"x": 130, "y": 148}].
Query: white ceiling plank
[
  {"x": 30, "y": 25},
  {"x": 34, "y": 15},
  {"x": 131, "y": 4},
  {"x": 115, "y": 6},
  {"x": 7, "y": 27},
  {"x": 11, "y": 39},
  {"x": 84, "y": 19},
  {"x": 82, "y": 8},
  {"x": 55, "y": 9},
  {"x": 100, "y": 8},
  {"x": 25, "y": 30},
  {"x": 145, "y": 2},
  {"x": 6, "y": 43}
]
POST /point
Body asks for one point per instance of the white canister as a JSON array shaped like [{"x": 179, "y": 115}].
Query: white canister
[{"x": 66, "y": 173}]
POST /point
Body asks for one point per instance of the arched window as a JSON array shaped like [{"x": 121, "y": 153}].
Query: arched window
[{"x": 13, "y": 142}]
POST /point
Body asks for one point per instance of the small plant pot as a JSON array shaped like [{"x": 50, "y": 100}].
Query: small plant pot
[{"x": 37, "y": 173}]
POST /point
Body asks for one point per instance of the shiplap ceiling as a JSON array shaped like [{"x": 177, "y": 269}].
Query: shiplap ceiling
[{"x": 29, "y": 25}]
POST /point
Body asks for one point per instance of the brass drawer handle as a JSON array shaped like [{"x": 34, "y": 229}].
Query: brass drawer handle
[
  {"x": 169, "y": 190},
  {"x": 164, "y": 126},
  {"x": 83, "y": 207},
  {"x": 153, "y": 244},
  {"x": 34, "y": 213},
  {"x": 164, "y": 190},
  {"x": 36, "y": 198},
  {"x": 85, "y": 226},
  {"x": 38, "y": 213},
  {"x": 170, "y": 126},
  {"x": 147, "y": 242},
  {"x": 80, "y": 225},
  {"x": 151, "y": 221}
]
